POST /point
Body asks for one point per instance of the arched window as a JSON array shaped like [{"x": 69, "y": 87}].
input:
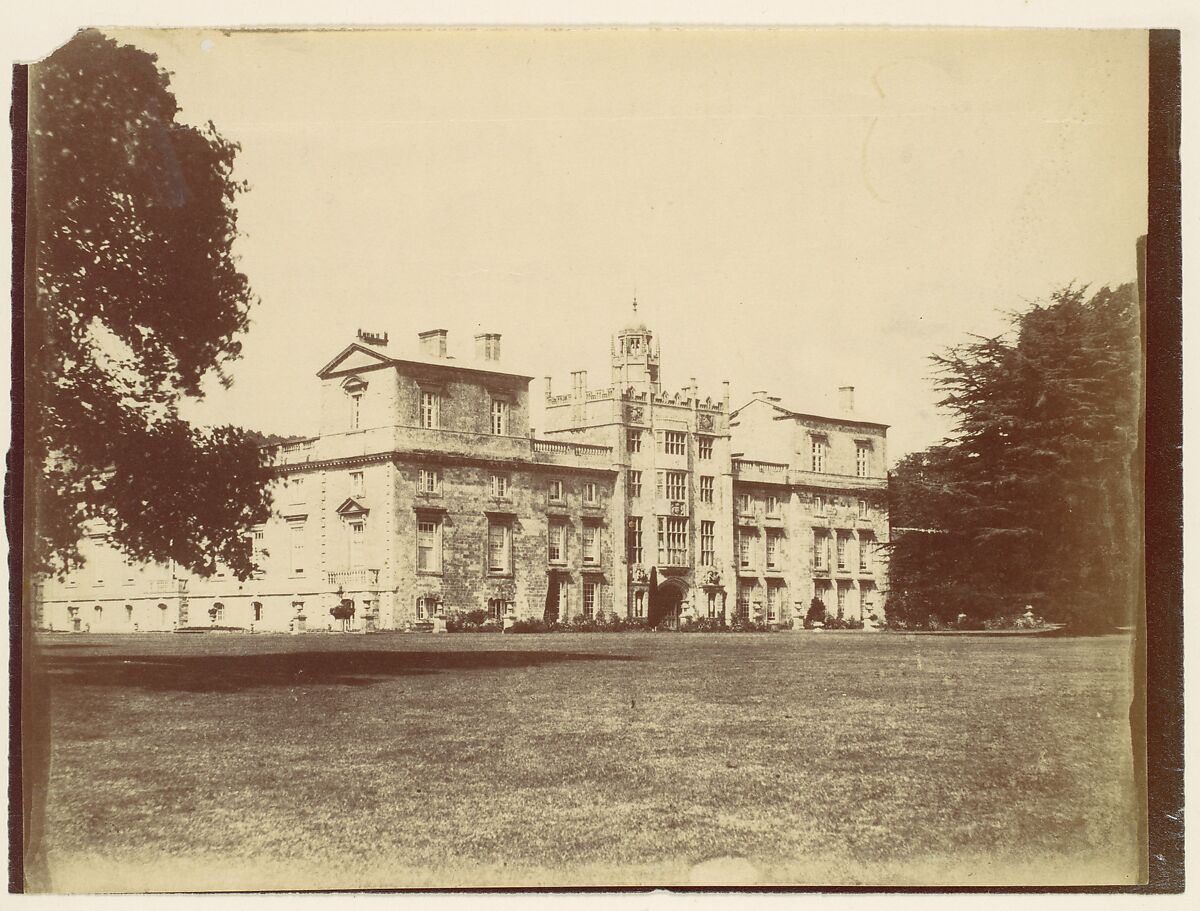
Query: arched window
[{"x": 128, "y": 613}]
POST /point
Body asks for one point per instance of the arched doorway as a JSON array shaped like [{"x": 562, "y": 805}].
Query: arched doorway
[{"x": 669, "y": 602}]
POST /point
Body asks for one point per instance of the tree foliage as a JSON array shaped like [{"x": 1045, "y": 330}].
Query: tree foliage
[
  {"x": 1034, "y": 498},
  {"x": 133, "y": 298}
]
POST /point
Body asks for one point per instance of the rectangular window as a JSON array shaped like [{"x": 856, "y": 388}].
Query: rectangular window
[
  {"x": 704, "y": 446},
  {"x": 355, "y": 410},
  {"x": 745, "y": 504},
  {"x": 357, "y": 485},
  {"x": 496, "y": 608},
  {"x": 712, "y": 604},
  {"x": 633, "y": 441},
  {"x": 658, "y": 484},
  {"x": 706, "y": 489},
  {"x": 772, "y": 505},
  {"x": 746, "y": 549},
  {"x": 820, "y": 551},
  {"x": 589, "y": 599},
  {"x": 564, "y": 600},
  {"x": 296, "y": 533},
  {"x": 429, "y": 546},
  {"x": 676, "y": 485},
  {"x": 772, "y": 603},
  {"x": 772, "y": 551},
  {"x": 425, "y": 608},
  {"x": 820, "y": 445},
  {"x": 865, "y": 545},
  {"x": 357, "y": 539},
  {"x": 743, "y": 601},
  {"x": 819, "y": 506},
  {"x": 672, "y": 541},
  {"x": 500, "y": 485},
  {"x": 558, "y": 542},
  {"x": 633, "y": 540},
  {"x": 589, "y": 492},
  {"x": 429, "y": 480},
  {"x": 431, "y": 410},
  {"x": 635, "y": 483},
  {"x": 708, "y": 548},
  {"x": 862, "y": 509},
  {"x": 258, "y": 543},
  {"x": 499, "y": 548},
  {"x": 556, "y": 489},
  {"x": 675, "y": 442},
  {"x": 499, "y": 417},
  {"x": 639, "y": 604},
  {"x": 841, "y": 552},
  {"x": 591, "y": 545},
  {"x": 841, "y": 599},
  {"x": 296, "y": 488},
  {"x": 862, "y": 459}
]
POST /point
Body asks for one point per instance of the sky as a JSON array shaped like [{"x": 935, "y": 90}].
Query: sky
[{"x": 795, "y": 210}]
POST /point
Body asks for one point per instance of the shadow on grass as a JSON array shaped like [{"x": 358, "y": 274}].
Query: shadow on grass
[{"x": 235, "y": 673}]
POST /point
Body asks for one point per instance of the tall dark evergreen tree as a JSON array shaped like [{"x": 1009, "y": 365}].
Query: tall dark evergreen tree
[
  {"x": 1032, "y": 500},
  {"x": 133, "y": 296}
]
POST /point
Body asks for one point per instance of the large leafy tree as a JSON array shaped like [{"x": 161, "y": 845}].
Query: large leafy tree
[
  {"x": 1034, "y": 497},
  {"x": 133, "y": 298}
]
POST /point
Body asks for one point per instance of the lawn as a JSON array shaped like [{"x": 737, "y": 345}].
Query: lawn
[{"x": 230, "y": 761}]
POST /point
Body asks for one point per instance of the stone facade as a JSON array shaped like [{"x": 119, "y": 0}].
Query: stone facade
[{"x": 425, "y": 493}]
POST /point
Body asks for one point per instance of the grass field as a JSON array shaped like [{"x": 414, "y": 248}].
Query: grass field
[{"x": 392, "y": 760}]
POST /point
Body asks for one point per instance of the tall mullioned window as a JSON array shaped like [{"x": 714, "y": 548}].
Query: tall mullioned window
[
  {"x": 866, "y": 543},
  {"x": 746, "y": 549},
  {"x": 820, "y": 449},
  {"x": 358, "y": 534},
  {"x": 633, "y": 441},
  {"x": 431, "y": 410},
  {"x": 633, "y": 540},
  {"x": 862, "y": 459},
  {"x": 841, "y": 552},
  {"x": 296, "y": 536},
  {"x": 589, "y": 492},
  {"x": 589, "y": 599},
  {"x": 704, "y": 447},
  {"x": 672, "y": 541},
  {"x": 429, "y": 480},
  {"x": 772, "y": 550},
  {"x": 676, "y": 485},
  {"x": 556, "y": 489},
  {"x": 500, "y": 485},
  {"x": 708, "y": 548},
  {"x": 356, "y": 409},
  {"x": 499, "y": 417},
  {"x": 706, "y": 489},
  {"x": 635, "y": 483},
  {"x": 675, "y": 442}
]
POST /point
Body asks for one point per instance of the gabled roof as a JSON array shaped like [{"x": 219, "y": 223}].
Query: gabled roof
[{"x": 347, "y": 361}]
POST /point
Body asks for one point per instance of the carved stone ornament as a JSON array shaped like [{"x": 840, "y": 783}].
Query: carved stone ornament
[
  {"x": 638, "y": 574},
  {"x": 712, "y": 577},
  {"x": 635, "y": 413},
  {"x": 705, "y": 422}
]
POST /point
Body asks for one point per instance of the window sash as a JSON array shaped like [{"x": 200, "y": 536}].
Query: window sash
[
  {"x": 556, "y": 490},
  {"x": 499, "y": 548},
  {"x": 676, "y": 485},
  {"x": 500, "y": 485},
  {"x": 357, "y": 483},
  {"x": 429, "y": 553},
  {"x": 706, "y": 489},
  {"x": 672, "y": 541},
  {"x": 589, "y": 492},
  {"x": 704, "y": 447},
  {"x": 589, "y": 599},
  {"x": 635, "y": 483},
  {"x": 591, "y": 541},
  {"x": 707, "y": 543},
  {"x": 633, "y": 441},
  {"x": 558, "y": 543},
  {"x": 634, "y": 540}
]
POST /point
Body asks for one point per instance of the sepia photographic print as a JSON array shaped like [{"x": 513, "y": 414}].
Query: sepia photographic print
[{"x": 583, "y": 457}]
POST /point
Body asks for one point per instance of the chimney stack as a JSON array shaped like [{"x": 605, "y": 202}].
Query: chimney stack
[
  {"x": 487, "y": 346},
  {"x": 725, "y": 394},
  {"x": 433, "y": 342},
  {"x": 846, "y": 399}
]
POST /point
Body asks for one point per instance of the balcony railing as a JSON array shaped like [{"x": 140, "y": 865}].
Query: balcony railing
[
  {"x": 351, "y": 578},
  {"x": 565, "y": 448}
]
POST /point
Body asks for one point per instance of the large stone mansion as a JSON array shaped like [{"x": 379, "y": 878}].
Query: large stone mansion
[{"x": 426, "y": 492}]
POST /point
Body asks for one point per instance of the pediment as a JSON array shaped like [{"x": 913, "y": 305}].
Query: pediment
[
  {"x": 354, "y": 357},
  {"x": 352, "y": 507}
]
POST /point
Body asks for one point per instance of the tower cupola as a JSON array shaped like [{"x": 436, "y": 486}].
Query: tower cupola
[{"x": 635, "y": 357}]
